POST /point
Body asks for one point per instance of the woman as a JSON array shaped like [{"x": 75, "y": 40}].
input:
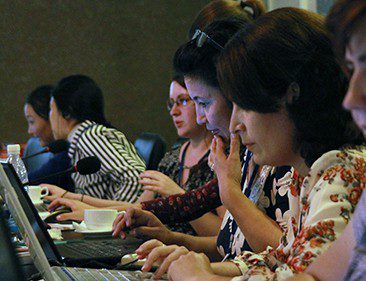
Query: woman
[
  {"x": 287, "y": 90},
  {"x": 36, "y": 111},
  {"x": 185, "y": 167},
  {"x": 346, "y": 259},
  {"x": 254, "y": 226},
  {"x": 77, "y": 115},
  {"x": 181, "y": 169}
]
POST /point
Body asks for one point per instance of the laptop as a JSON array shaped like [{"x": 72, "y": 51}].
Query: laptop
[
  {"x": 9, "y": 264},
  {"x": 38, "y": 255},
  {"x": 96, "y": 252}
]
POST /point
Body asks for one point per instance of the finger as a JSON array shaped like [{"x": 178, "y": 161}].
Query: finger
[
  {"x": 220, "y": 150},
  {"x": 234, "y": 145},
  {"x": 213, "y": 147},
  {"x": 50, "y": 197},
  {"x": 159, "y": 253},
  {"x": 119, "y": 227},
  {"x": 118, "y": 219},
  {"x": 149, "y": 174},
  {"x": 168, "y": 260},
  {"x": 61, "y": 202},
  {"x": 148, "y": 246},
  {"x": 151, "y": 188},
  {"x": 70, "y": 216},
  {"x": 148, "y": 181}
]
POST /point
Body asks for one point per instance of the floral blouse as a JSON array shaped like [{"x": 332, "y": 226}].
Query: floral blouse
[
  {"x": 357, "y": 266},
  {"x": 321, "y": 205},
  {"x": 199, "y": 174}
]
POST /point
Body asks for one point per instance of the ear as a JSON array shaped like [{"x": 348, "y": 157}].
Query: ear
[{"x": 293, "y": 93}]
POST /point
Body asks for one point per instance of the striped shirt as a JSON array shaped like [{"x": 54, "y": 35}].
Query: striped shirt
[{"x": 120, "y": 164}]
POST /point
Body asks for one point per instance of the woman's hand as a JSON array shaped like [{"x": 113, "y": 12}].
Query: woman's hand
[
  {"x": 156, "y": 252},
  {"x": 192, "y": 266},
  {"x": 77, "y": 209},
  {"x": 159, "y": 183},
  {"x": 54, "y": 191},
  {"x": 227, "y": 168},
  {"x": 142, "y": 223}
]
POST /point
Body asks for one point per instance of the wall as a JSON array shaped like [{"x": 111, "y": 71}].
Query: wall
[{"x": 125, "y": 45}]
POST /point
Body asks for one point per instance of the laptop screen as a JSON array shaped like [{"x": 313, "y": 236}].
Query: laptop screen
[{"x": 35, "y": 221}]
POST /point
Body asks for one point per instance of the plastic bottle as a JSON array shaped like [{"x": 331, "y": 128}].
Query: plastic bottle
[{"x": 17, "y": 162}]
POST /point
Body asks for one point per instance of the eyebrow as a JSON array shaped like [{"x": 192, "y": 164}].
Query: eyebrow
[{"x": 182, "y": 95}]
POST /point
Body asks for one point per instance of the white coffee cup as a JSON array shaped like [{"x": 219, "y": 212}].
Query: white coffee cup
[
  {"x": 99, "y": 218},
  {"x": 36, "y": 192}
]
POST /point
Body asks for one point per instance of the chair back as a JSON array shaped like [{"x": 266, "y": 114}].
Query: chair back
[
  {"x": 151, "y": 147},
  {"x": 34, "y": 163}
]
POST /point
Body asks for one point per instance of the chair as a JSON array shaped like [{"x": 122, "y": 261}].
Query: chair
[
  {"x": 151, "y": 147},
  {"x": 34, "y": 163}
]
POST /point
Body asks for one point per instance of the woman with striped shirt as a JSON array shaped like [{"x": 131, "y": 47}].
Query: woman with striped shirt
[{"x": 77, "y": 114}]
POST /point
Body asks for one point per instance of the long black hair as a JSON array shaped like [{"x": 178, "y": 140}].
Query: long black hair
[
  {"x": 39, "y": 99},
  {"x": 79, "y": 97}
]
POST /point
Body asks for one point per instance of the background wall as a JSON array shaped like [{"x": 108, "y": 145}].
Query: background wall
[{"x": 125, "y": 45}]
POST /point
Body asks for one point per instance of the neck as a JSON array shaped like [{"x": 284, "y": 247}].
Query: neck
[
  {"x": 301, "y": 168},
  {"x": 201, "y": 141}
]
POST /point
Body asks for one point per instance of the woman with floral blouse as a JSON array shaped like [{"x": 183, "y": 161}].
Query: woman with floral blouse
[{"x": 287, "y": 90}]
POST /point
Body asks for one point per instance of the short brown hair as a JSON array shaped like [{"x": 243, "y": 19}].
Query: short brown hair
[{"x": 342, "y": 20}]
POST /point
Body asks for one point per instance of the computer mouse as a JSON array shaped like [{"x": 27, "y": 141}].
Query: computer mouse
[{"x": 51, "y": 218}]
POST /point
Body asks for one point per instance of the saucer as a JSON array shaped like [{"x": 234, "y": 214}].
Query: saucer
[{"x": 81, "y": 228}]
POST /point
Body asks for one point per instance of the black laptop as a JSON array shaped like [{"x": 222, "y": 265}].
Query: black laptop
[
  {"x": 94, "y": 253},
  {"x": 9, "y": 264}
]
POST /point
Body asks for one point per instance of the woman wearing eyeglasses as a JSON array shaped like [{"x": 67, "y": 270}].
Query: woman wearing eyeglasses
[{"x": 185, "y": 167}]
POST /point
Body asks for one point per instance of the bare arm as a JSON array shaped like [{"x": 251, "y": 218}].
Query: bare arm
[
  {"x": 333, "y": 264},
  {"x": 209, "y": 224}
]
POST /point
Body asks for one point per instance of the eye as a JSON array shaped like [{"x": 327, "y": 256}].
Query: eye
[{"x": 202, "y": 104}]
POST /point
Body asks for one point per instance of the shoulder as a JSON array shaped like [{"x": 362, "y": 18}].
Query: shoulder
[{"x": 350, "y": 157}]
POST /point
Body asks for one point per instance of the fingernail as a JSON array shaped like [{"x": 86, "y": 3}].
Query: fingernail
[{"x": 58, "y": 218}]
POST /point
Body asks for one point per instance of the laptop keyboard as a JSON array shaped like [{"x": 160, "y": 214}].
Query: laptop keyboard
[
  {"x": 103, "y": 274},
  {"x": 99, "y": 248}
]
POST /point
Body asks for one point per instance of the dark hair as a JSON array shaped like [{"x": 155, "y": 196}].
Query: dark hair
[
  {"x": 284, "y": 46},
  {"x": 79, "y": 97},
  {"x": 221, "y": 9},
  {"x": 179, "y": 79},
  {"x": 39, "y": 99},
  {"x": 342, "y": 20},
  {"x": 200, "y": 62}
]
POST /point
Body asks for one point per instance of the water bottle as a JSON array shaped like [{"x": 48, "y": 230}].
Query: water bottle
[{"x": 17, "y": 162}]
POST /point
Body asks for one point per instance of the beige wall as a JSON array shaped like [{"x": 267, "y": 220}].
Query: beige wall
[{"x": 126, "y": 46}]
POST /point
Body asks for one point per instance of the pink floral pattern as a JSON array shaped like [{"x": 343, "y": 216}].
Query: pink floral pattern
[{"x": 321, "y": 205}]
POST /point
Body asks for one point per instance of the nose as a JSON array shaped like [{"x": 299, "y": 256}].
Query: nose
[
  {"x": 235, "y": 124},
  {"x": 356, "y": 94},
  {"x": 175, "y": 110},
  {"x": 30, "y": 131},
  {"x": 200, "y": 116}
]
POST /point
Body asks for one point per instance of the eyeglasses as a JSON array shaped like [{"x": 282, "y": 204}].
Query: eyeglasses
[
  {"x": 201, "y": 37},
  {"x": 180, "y": 101}
]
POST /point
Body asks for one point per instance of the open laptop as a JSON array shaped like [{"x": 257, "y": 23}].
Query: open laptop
[
  {"x": 82, "y": 253},
  {"x": 9, "y": 264},
  {"x": 38, "y": 255}
]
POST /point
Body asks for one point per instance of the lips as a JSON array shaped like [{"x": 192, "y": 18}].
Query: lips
[{"x": 178, "y": 124}]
